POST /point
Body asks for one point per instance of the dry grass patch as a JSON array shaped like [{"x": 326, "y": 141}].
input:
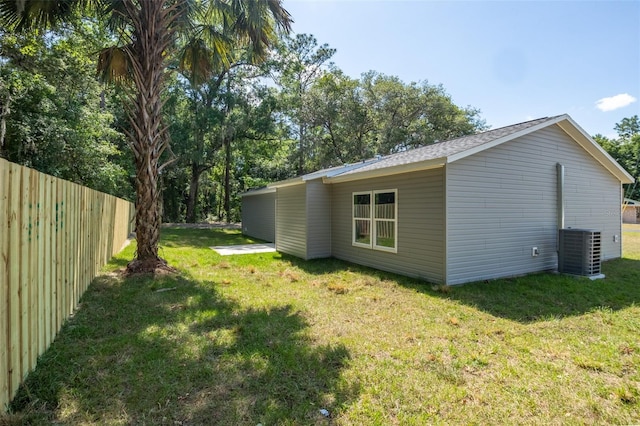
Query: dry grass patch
[
  {"x": 291, "y": 275},
  {"x": 337, "y": 288}
]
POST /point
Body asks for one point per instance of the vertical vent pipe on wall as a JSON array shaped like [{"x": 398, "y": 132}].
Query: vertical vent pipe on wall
[{"x": 560, "y": 194}]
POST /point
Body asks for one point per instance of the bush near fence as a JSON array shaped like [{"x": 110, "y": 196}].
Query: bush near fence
[{"x": 54, "y": 238}]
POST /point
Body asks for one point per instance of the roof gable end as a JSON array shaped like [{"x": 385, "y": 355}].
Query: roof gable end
[{"x": 441, "y": 153}]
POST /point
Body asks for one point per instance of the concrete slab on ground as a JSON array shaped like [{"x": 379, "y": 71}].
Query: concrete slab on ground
[{"x": 245, "y": 249}]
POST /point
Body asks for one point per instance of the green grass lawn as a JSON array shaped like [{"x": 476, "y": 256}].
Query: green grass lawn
[{"x": 272, "y": 339}]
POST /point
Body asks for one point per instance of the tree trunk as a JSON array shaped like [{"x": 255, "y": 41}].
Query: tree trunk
[
  {"x": 4, "y": 113},
  {"x": 227, "y": 178},
  {"x": 151, "y": 39},
  {"x": 193, "y": 193},
  {"x": 301, "y": 131}
]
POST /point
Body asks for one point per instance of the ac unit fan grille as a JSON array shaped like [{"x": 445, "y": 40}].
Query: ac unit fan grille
[{"x": 580, "y": 252}]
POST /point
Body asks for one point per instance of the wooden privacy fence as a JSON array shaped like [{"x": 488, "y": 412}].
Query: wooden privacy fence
[{"x": 54, "y": 238}]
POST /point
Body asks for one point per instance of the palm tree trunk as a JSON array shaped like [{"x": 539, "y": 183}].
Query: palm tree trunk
[{"x": 151, "y": 39}]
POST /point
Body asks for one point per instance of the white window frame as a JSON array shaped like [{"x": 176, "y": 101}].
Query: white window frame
[
  {"x": 354, "y": 219},
  {"x": 373, "y": 221}
]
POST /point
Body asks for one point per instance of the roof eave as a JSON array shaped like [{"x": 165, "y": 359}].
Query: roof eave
[
  {"x": 576, "y": 132},
  {"x": 260, "y": 191},
  {"x": 322, "y": 174},
  {"x": 387, "y": 171},
  {"x": 289, "y": 182}
]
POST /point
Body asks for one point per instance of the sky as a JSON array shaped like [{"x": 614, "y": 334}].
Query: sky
[{"x": 514, "y": 60}]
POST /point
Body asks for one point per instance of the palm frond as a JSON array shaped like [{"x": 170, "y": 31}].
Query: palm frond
[
  {"x": 196, "y": 62},
  {"x": 114, "y": 65},
  {"x": 183, "y": 14},
  {"x": 258, "y": 21},
  {"x": 22, "y": 15},
  {"x": 116, "y": 14}
]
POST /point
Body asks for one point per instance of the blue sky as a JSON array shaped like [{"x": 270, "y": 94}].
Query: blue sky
[{"x": 514, "y": 60}]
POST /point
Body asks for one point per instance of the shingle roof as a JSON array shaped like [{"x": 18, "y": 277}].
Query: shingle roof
[
  {"x": 438, "y": 154},
  {"x": 447, "y": 148}
]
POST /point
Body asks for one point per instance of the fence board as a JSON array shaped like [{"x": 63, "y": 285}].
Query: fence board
[
  {"x": 25, "y": 275},
  {"x": 33, "y": 268},
  {"x": 54, "y": 238},
  {"x": 4, "y": 273},
  {"x": 40, "y": 237},
  {"x": 48, "y": 278},
  {"x": 73, "y": 241},
  {"x": 14, "y": 277},
  {"x": 57, "y": 256}
]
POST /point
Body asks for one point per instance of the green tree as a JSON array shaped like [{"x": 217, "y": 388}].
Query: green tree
[
  {"x": 416, "y": 114},
  {"x": 298, "y": 63},
  {"x": 342, "y": 125},
  {"x": 628, "y": 127},
  {"x": 147, "y": 31},
  {"x": 218, "y": 127},
  {"x": 350, "y": 120},
  {"x": 625, "y": 149},
  {"x": 53, "y": 117}
]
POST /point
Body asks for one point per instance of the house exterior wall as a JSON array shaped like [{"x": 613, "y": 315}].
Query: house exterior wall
[
  {"x": 291, "y": 221},
  {"x": 259, "y": 216},
  {"x": 502, "y": 202},
  {"x": 318, "y": 202},
  {"x": 420, "y": 203}
]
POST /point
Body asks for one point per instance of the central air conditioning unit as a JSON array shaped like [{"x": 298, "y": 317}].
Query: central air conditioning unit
[{"x": 580, "y": 252}]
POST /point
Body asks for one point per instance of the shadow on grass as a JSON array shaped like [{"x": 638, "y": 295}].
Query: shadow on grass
[
  {"x": 136, "y": 355},
  {"x": 527, "y": 299},
  {"x": 204, "y": 238},
  {"x": 544, "y": 296}
]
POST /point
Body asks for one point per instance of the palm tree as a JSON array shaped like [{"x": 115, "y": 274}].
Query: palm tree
[{"x": 147, "y": 31}]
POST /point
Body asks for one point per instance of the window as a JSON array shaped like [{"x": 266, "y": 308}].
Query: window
[
  {"x": 362, "y": 219},
  {"x": 375, "y": 220}
]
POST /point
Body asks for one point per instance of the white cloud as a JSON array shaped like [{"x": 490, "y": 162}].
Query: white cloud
[{"x": 615, "y": 102}]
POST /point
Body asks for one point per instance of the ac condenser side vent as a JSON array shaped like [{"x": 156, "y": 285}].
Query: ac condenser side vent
[{"x": 580, "y": 252}]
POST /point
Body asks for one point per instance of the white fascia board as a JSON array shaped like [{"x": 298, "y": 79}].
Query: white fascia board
[
  {"x": 260, "y": 191},
  {"x": 578, "y": 134},
  {"x": 500, "y": 141},
  {"x": 387, "y": 171}
]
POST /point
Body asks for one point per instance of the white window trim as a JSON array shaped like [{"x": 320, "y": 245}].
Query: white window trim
[
  {"x": 373, "y": 221},
  {"x": 354, "y": 218}
]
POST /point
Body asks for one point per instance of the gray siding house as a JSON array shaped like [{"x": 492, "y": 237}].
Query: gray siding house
[
  {"x": 477, "y": 207},
  {"x": 259, "y": 214}
]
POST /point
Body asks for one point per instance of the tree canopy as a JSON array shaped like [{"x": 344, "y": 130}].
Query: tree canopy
[
  {"x": 146, "y": 34},
  {"x": 224, "y": 110},
  {"x": 625, "y": 149}
]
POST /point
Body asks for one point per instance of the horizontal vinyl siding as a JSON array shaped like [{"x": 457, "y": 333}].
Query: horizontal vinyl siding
[
  {"x": 502, "y": 202},
  {"x": 291, "y": 221},
  {"x": 318, "y": 219},
  {"x": 259, "y": 216},
  {"x": 420, "y": 201},
  {"x": 593, "y": 201}
]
